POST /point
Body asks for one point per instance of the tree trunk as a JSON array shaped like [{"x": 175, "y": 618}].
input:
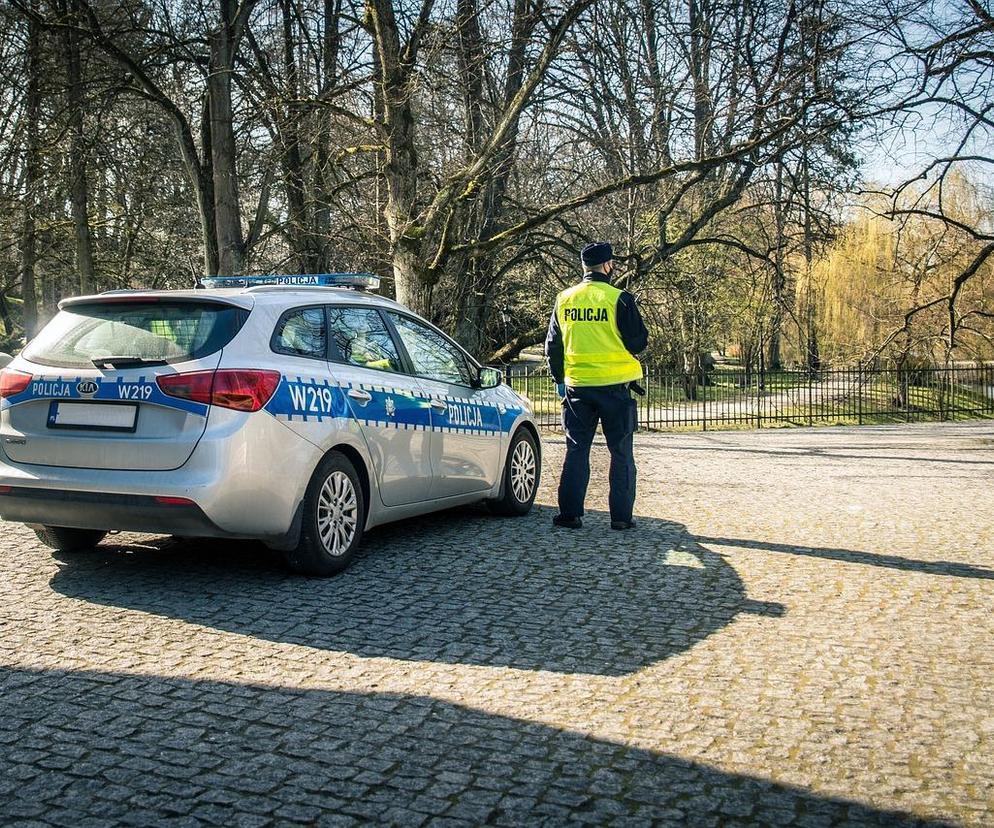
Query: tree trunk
[
  {"x": 331, "y": 43},
  {"x": 32, "y": 176},
  {"x": 774, "y": 353},
  {"x": 474, "y": 305},
  {"x": 778, "y": 281},
  {"x": 812, "y": 353},
  {"x": 700, "y": 68},
  {"x": 413, "y": 290},
  {"x": 778, "y": 291},
  {"x": 5, "y": 317},
  {"x": 78, "y": 186},
  {"x": 478, "y": 276},
  {"x": 471, "y": 70},
  {"x": 227, "y": 208},
  {"x": 202, "y": 177},
  {"x": 299, "y": 230},
  {"x": 690, "y": 354},
  {"x": 400, "y": 171},
  {"x": 395, "y": 118}
]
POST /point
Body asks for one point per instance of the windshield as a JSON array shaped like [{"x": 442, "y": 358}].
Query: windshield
[{"x": 134, "y": 333}]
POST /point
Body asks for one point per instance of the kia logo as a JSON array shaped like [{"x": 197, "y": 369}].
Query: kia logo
[{"x": 87, "y": 388}]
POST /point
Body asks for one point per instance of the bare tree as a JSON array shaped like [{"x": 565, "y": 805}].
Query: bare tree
[{"x": 950, "y": 83}]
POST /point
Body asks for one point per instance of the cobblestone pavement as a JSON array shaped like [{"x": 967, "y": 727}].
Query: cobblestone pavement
[{"x": 799, "y": 631}]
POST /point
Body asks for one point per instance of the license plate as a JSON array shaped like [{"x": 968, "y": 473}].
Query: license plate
[{"x": 93, "y": 416}]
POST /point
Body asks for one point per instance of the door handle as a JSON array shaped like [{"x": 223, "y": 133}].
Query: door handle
[
  {"x": 362, "y": 397},
  {"x": 438, "y": 405}
]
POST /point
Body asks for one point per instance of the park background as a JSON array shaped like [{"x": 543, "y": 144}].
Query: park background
[{"x": 798, "y": 192}]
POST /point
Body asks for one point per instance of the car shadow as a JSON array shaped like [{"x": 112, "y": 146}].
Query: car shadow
[
  {"x": 111, "y": 748},
  {"x": 457, "y": 587}
]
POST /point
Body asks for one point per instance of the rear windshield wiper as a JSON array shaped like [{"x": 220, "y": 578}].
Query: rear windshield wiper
[{"x": 125, "y": 362}]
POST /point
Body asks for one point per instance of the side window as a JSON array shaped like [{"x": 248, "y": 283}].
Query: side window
[
  {"x": 301, "y": 332},
  {"x": 432, "y": 354},
  {"x": 360, "y": 337}
]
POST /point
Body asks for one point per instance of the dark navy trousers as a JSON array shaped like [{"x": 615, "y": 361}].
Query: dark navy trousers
[{"x": 583, "y": 407}]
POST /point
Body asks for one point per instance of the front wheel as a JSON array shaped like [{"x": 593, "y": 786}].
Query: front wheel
[
  {"x": 521, "y": 476},
  {"x": 332, "y": 519},
  {"x": 64, "y": 539}
]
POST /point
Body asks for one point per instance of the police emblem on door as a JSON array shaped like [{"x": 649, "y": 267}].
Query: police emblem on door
[{"x": 390, "y": 407}]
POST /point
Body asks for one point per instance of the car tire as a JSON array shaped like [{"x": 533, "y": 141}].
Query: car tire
[
  {"x": 522, "y": 472},
  {"x": 64, "y": 539},
  {"x": 332, "y": 519}
]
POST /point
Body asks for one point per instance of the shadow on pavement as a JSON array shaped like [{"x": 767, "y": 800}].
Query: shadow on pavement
[
  {"x": 951, "y": 568},
  {"x": 459, "y": 587},
  {"x": 832, "y": 453},
  {"x": 107, "y": 748}
]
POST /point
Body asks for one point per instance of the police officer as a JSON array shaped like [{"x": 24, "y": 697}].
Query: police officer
[{"x": 594, "y": 334}]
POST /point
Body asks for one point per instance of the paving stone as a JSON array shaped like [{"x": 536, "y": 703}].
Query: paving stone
[{"x": 797, "y": 633}]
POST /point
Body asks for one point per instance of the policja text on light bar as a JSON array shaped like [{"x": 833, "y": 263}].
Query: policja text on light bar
[{"x": 363, "y": 281}]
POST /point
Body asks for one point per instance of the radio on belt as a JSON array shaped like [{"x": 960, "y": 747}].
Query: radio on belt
[{"x": 358, "y": 281}]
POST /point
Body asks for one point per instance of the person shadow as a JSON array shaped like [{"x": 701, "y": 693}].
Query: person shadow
[{"x": 458, "y": 587}]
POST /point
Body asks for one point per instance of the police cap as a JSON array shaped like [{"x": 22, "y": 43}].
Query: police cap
[{"x": 596, "y": 253}]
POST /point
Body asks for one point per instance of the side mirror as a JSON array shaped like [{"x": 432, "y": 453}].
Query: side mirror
[
  {"x": 5, "y": 360},
  {"x": 490, "y": 377}
]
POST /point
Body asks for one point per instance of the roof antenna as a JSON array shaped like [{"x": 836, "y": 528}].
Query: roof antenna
[{"x": 197, "y": 284}]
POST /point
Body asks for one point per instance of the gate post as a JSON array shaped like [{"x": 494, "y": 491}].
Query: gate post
[
  {"x": 704, "y": 403},
  {"x": 859, "y": 390}
]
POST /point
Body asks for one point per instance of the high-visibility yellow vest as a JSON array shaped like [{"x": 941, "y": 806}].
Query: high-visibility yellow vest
[{"x": 593, "y": 351}]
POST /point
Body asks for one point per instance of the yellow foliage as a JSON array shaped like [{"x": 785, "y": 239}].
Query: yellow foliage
[{"x": 883, "y": 265}]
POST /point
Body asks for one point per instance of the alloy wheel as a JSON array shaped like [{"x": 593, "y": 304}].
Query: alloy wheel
[
  {"x": 337, "y": 513},
  {"x": 523, "y": 471}
]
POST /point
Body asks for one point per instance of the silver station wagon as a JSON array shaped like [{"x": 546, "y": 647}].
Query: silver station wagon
[{"x": 296, "y": 410}]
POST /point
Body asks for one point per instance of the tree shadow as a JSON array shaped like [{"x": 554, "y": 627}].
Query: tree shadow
[
  {"x": 459, "y": 587},
  {"x": 870, "y": 455},
  {"x": 108, "y": 748},
  {"x": 953, "y": 569}
]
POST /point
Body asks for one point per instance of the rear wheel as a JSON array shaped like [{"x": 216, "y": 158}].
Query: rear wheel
[
  {"x": 332, "y": 519},
  {"x": 64, "y": 539},
  {"x": 521, "y": 476}
]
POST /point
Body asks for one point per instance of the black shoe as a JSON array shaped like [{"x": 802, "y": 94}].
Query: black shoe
[
  {"x": 622, "y": 524},
  {"x": 567, "y": 522}
]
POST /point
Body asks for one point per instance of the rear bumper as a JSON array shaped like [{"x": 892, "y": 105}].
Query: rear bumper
[
  {"x": 246, "y": 476},
  {"x": 96, "y": 510}
]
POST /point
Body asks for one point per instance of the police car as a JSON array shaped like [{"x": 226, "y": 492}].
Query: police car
[{"x": 297, "y": 410}]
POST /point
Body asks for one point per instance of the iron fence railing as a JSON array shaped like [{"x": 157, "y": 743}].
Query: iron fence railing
[{"x": 754, "y": 399}]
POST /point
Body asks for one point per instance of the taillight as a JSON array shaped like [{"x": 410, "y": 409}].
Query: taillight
[
  {"x": 195, "y": 385},
  {"x": 236, "y": 388},
  {"x": 244, "y": 390},
  {"x": 13, "y": 382}
]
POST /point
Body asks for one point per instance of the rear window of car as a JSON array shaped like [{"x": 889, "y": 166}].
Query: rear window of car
[{"x": 137, "y": 332}]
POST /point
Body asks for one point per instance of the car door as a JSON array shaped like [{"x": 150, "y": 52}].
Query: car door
[
  {"x": 466, "y": 432},
  {"x": 386, "y": 400}
]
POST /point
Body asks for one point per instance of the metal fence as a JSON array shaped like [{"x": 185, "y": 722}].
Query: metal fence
[{"x": 740, "y": 399}]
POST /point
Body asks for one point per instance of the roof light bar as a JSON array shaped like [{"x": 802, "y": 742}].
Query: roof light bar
[{"x": 361, "y": 281}]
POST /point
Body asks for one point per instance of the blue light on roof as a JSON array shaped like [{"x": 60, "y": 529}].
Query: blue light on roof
[{"x": 366, "y": 281}]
